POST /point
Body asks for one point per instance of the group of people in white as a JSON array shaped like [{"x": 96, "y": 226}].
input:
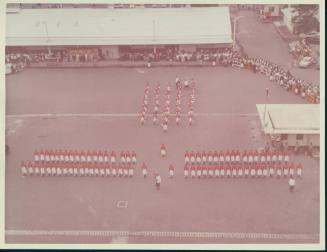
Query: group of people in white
[
  {"x": 166, "y": 114},
  {"x": 251, "y": 163},
  {"x": 80, "y": 163},
  {"x": 275, "y": 73}
]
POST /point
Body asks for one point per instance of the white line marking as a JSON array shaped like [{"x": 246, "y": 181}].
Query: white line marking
[
  {"x": 162, "y": 234},
  {"x": 126, "y": 115}
]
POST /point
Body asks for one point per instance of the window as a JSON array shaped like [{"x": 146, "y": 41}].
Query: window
[{"x": 299, "y": 137}]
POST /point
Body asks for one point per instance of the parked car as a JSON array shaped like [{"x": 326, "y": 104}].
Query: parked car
[{"x": 305, "y": 62}]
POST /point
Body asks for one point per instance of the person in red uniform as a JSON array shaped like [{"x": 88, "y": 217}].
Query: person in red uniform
[
  {"x": 227, "y": 157},
  {"x": 228, "y": 169},
  {"x": 204, "y": 171},
  {"x": 215, "y": 157},
  {"x": 163, "y": 151},
  {"x": 114, "y": 169},
  {"x": 134, "y": 160},
  {"x": 193, "y": 170},
  {"x": 211, "y": 170},
  {"x": 291, "y": 168},
  {"x": 232, "y": 156},
  {"x": 113, "y": 157},
  {"x": 299, "y": 169},
  {"x": 144, "y": 170},
  {"x": 285, "y": 169},
  {"x": 246, "y": 169},
  {"x": 186, "y": 171},
  {"x": 210, "y": 158},
  {"x": 199, "y": 171},
  {"x": 204, "y": 157},
  {"x": 192, "y": 158},
  {"x": 171, "y": 171},
  {"x": 107, "y": 170}
]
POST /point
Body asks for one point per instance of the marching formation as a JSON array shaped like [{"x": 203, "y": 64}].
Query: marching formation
[
  {"x": 250, "y": 163},
  {"x": 166, "y": 111},
  {"x": 80, "y": 163}
]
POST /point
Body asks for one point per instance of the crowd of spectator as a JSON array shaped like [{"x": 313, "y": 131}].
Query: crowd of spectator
[
  {"x": 15, "y": 62},
  {"x": 225, "y": 57},
  {"x": 300, "y": 49}
]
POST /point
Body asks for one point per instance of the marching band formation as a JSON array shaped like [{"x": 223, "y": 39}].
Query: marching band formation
[
  {"x": 80, "y": 163},
  {"x": 166, "y": 113},
  {"x": 250, "y": 163}
]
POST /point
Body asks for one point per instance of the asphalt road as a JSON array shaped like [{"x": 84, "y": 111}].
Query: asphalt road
[{"x": 227, "y": 95}]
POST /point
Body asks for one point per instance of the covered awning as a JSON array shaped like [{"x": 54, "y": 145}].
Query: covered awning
[{"x": 290, "y": 118}]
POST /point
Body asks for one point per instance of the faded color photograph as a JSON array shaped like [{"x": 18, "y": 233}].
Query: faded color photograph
[{"x": 162, "y": 123}]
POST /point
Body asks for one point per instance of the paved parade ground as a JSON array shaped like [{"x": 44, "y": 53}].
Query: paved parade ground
[{"x": 98, "y": 109}]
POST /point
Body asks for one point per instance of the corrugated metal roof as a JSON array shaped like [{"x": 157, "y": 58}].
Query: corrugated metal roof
[
  {"x": 119, "y": 26},
  {"x": 290, "y": 118}
]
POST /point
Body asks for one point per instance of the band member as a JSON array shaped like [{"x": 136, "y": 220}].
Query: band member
[
  {"x": 271, "y": 167},
  {"x": 52, "y": 155},
  {"x": 199, "y": 171},
  {"x": 228, "y": 169},
  {"x": 128, "y": 157},
  {"x": 82, "y": 156},
  {"x": 186, "y": 169},
  {"x": 96, "y": 168},
  {"x": 71, "y": 156},
  {"x": 36, "y": 168},
  {"x": 278, "y": 169},
  {"x": 105, "y": 157},
  {"x": 233, "y": 167},
  {"x": 144, "y": 170},
  {"x": 171, "y": 171},
  {"x": 76, "y": 169},
  {"x": 186, "y": 158},
  {"x": 299, "y": 168},
  {"x": 64, "y": 169},
  {"x": 240, "y": 169},
  {"x": 274, "y": 156},
  {"x": 291, "y": 183},
  {"x": 264, "y": 169},
  {"x": 232, "y": 156},
  {"x": 250, "y": 159},
  {"x": 211, "y": 170},
  {"x": 286, "y": 156},
  {"x": 221, "y": 157},
  {"x": 130, "y": 170},
  {"x": 204, "y": 157},
  {"x": 193, "y": 171},
  {"x": 36, "y": 156},
  {"x": 246, "y": 169},
  {"x": 42, "y": 168},
  {"x": 163, "y": 150},
  {"x": 88, "y": 156},
  {"x": 192, "y": 158},
  {"x": 227, "y": 157},
  {"x": 71, "y": 169},
  {"x": 244, "y": 157},
  {"x": 237, "y": 156},
  {"x": 263, "y": 157},
  {"x": 210, "y": 158},
  {"x": 47, "y": 169},
  {"x": 122, "y": 157},
  {"x": 100, "y": 156},
  {"x": 268, "y": 156},
  {"x": 291, "y": 168},
  {"x": 107, "y": 170},
  {"x": 113, "y": 157},
  {"x": 217, "y": 170},
  {"x": 114, "y": 169},
  {"x": 215, "y": 157},
  {"x": 280, "y": 156},
  {"x": 23, "y": 168},
  {"x": 222, "y": 169},
  {"x": 205, "y": 170},
  {"x": 41, "y": 156},
  {"x": 126, "y": 169},
  {"x": 134, "y": 161},
  {"x": 285, "y": 169},
  {"x": 80, "y": 168},
  {"x": 46, "y": 156},
  {"x": 252, "y": 169},
  {"x": 57, "y": 155},
  {"x": 120, "y": 169},
  {"x": 255, "y": 156},
  {"x": 198, "y": 158}
]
